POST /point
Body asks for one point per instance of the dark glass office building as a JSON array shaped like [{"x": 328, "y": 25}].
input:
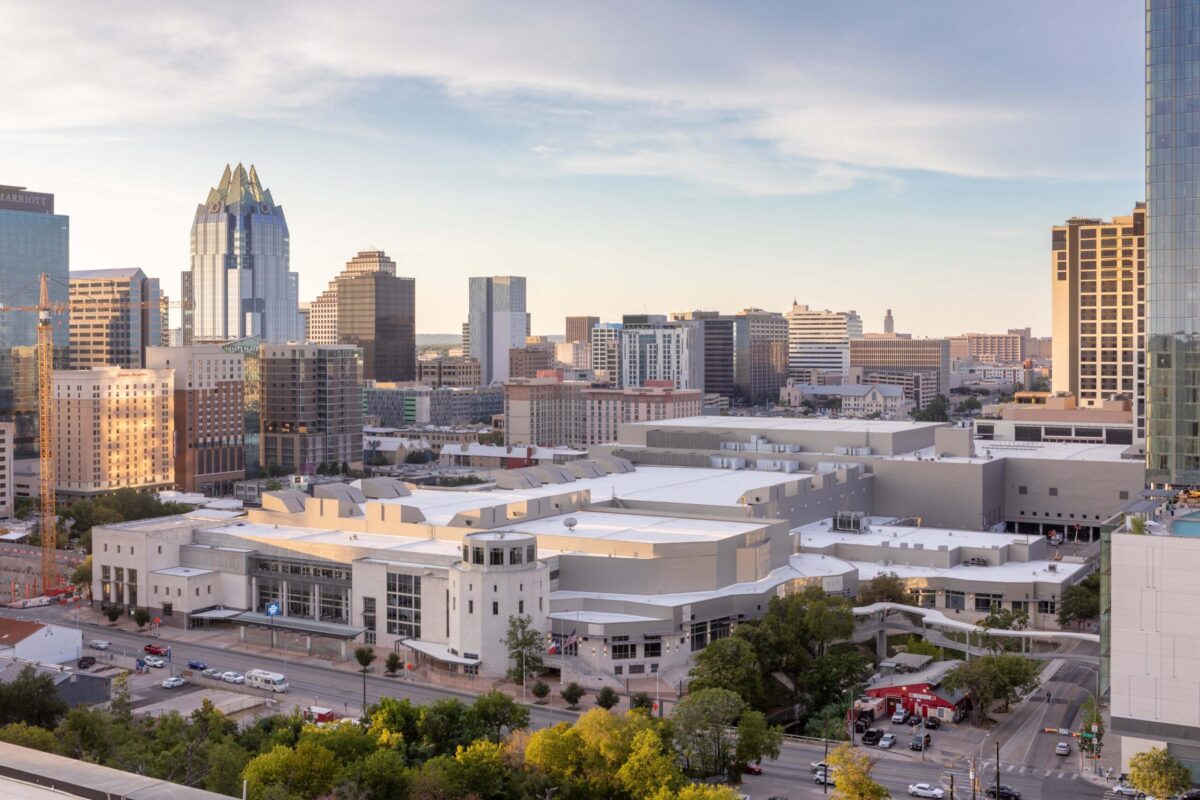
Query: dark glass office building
[
  {"x": 1173, "y": 241},
  {"x": 376, "y": 311},
  {"x": 33, "y": 240}
]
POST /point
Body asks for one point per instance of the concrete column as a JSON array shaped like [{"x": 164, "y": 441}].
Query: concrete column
[
  {"x": 316, "y": 601},
  {"x": 242, "y": 632},
  {"x": 283, "y": 596},
  {"x": 253, "y": 593},
  {"x": 881, "y": 644},
  {"x": 308, "y": 644},
  {"x": 343, "y": 649}
]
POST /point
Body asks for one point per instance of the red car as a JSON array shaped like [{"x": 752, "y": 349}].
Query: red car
[
  {"x": 156, "y": 649},
  {"x": 752, "y": 769}
]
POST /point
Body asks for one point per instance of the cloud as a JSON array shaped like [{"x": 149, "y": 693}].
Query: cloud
[{"x": 742, "y": 103}]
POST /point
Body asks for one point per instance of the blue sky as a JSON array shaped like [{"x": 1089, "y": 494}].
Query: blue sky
[{"x": 625, "y": 157}]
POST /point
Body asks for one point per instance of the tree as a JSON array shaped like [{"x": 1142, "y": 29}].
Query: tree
[
  {"x": 1158, "y": 773},
  {"x": 1017, "y": 676},
  {"x": 32, "y": 736},
  {"x": 272, "y": 485},
  {"x": 756, "y": 739},
  {"x": 607, "y": 698},
  {"x": 572, "y": 693},
  {"x": 704, "y": 734},
  {"x": 32, "y": 698},
  {"x": 1092, "y": 726},
  {"x": 1137, "y": 525},
  {"x": 885, "y": 588},
  {"x": 382, "y": 774},
  {"x": 393, "y": 663},
  {"x": 650, "y": 768},
  {"x": 365, "y": 656},
  {"x": 934, "y": 411},
  {"x": 1005, "y": 619},
  {"x": 524, "y": 644},
  {"x": 307, "y": 771},
  {"x": 82, "y": 575},
  {"x": 829, "y": 722},
  {"x": 853, "y": 771},
  {"x": 641, "y": 701},
  {"x": 495, "y": 711},
  {"x": 140, "y": 617},
  {"x": 730, "y": 663},
  {"x": 540, "y": 690},
  {"x": 1078, "y": 604},
  {"x": 968, "y": 405},
  {"x": 918, "y": 646},
  {"x": 345, "y": 468},
  {"x": 113, "y": 612},
  {"x": 991, "y": 678}
]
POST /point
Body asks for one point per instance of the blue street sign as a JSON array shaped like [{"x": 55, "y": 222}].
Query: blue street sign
[{"x": 272, "y": 609}]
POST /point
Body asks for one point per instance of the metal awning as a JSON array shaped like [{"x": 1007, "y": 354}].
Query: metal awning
[
  {"x": 438, "y": 652},
  {"x": 218, "y": 613},
  {"x": 312, "y": 627}
]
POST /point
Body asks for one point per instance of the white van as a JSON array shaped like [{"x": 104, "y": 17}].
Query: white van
[{"x": 271, "y": 681}]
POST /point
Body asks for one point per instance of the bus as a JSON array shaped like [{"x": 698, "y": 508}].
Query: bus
[{"x": 271, "y": 681}]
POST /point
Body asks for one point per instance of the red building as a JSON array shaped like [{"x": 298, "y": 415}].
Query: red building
[{"x": 921, "y": 693}]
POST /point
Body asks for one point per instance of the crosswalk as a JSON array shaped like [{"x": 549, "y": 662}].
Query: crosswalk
[{"x": 987, "y": 771}]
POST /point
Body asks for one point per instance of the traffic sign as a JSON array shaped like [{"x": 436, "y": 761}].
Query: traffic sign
[{"x": 272, "y": 609}]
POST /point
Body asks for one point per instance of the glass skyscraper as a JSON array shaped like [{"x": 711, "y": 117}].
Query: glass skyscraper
[
  {"x": 240, "y": 283},
  {"x": 498, "y": 322},
  {"x": 33, "y": 240},
  {"x": 1173, "y": 241}
]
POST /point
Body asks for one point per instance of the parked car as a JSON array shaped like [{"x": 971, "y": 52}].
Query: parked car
[
  {"x": 154, "y": 661},
  {"x": 926, "y": 790},
  {"x": 900, "y": 717},
  {"x": 173, "y": 682},
  {"x": 1062, "y": 749},
  {"x": 99, "y": 644},
  {"x": 215, "y": 674},
  {"x": 1006, "y": 792},
  {"x": 819, "y": 766},
  {"x": 921, "y": 741},
  {"x": 156, "y": 649},
  {"x": 888, "y": 740},
  {"x": 825, "y": 778},
  {"x": 233, "y": 677},
  {"x": 872, "y": 736},
  {"x": 932, "y": 723},
  {"x": 1125, "y": 790},
  {"x": 753, "y": 769},
  {"x": 87, "y": 662},
  {"x": 196, "y": 663}
]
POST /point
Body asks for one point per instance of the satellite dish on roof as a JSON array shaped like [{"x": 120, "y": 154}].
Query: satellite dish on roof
[{"x": 570, "y": 523}]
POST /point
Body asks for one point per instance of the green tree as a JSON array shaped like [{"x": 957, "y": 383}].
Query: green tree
[
  {"x": 113, "y": 613},
  {"x": 607, "y": 698},
  {"x": 140, "y": 617},
  {"x": 393, "y": 663},
  {"x": 1005, "y": 619},
  {"x": 729, "y": 663},
  {"x": 853, "y": 772},
  {"x": 641, "y": 701},
  {"x": 885, "y": 588},
  {"x": 1078, "y": 604},
  {"x": 365, "y": 656},
  {"x": 87, "y": 734},
  {"x": 541, "y": 690},
  {"x": 829, "y": 722},
  {"x": 934, "y": 411},
  {"x": 918, "y": 646},
  {"x": 31, "y": 736},
  {"x": 703, "y": 730},
  {"x": 572, "y": 693},
  {"x": 1093, "y": 724},
  {"x": 524, "y": 644},
  {"x": 756, "y": 739},
  {"x": 380, "y": 776},
  {"x": 395, "y": 723},
  {"x": 495, "y": 711},
  {"x": 308, "y": 771},
  {"x": 32, "y": 698},
  {"x": 445, "y": 725},
  {"x": 1158, "y": 773},
  {"x": 272, "y": 485},
  {"x": 82, "y": 575},
  {"x": 990, "y": 678},
  {"x": 226, "y": 762}
]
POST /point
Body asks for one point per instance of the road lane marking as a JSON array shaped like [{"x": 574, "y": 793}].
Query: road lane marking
[
  {"x": 1047, "y": 773},
  {"x": 1011, "y": 767}
]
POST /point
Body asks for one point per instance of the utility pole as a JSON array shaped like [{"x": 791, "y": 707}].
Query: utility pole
[
  {"x": 951, "y": 786},
  {"x": 997, "y": 769}
]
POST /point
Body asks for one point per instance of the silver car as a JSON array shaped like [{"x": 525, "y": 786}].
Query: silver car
[{"x": 233, "y": 677}]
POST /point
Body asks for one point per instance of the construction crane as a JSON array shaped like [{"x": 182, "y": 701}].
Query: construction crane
[{"x": 47, "y": 473}]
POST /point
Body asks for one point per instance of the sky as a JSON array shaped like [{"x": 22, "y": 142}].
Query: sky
[{"x": 626, "y": 157}]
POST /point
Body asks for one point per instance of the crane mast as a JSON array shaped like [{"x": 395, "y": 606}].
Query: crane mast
[{"x": 46, "y": 435}]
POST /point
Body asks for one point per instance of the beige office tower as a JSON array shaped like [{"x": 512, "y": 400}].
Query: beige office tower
[
  {"x": 114, "y": 429},
  {"x": 579, "y": 329},
  {"x": 115, "y": 315},
  {"x": 886, "y": 354},
  {"x": 545, "y": 411},
  {"x": 1097, "y": 274}
]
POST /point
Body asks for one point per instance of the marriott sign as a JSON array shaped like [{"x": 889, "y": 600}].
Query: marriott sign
[{"x": 15, "y": 198}]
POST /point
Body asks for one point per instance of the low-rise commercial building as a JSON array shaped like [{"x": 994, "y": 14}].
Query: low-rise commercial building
[
  {"x": 546, "y": 410},
  {"x": 1058, "y": 419},
  {"x": 880, "y": 401},
  {"x": 921, "y": 693},
  {"x": 491, "y": 456},
  {"x": 605, "y": 410},
  {"x": 404, "y": 406},
  {"x": 447, "y": 371},
  {"x": 39, "y": 642}
]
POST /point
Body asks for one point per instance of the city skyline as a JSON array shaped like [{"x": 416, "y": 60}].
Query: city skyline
[{"x": 477, "y": 157}]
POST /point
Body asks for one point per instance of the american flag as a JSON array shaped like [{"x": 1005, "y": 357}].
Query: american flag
[
  {"x": 570, "y": 640},
  {"x": 559, "y": 646}
]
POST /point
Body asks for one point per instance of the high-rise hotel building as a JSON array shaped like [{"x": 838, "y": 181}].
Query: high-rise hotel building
[
  {"x": 819, "y": 341},
  {"x": 240, "y": 283},
  {"x": 114, "y": 429},
  {"x": 1098, "y": 276},
  {"x": 497, "y": 323},
  {"x": 115, "y": 315},
  {"x": 33, "y": 240}
]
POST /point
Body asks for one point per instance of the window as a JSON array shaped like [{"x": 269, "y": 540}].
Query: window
[
  {"x": 531, "y": 553},
  {"x": 617, "y": 670},
  {"x": 514, "y": 555},
  {"x": 955, "y": 600},
  {"x": 470, "y": 606},
  {"x": 986, "y": 603},
  {"x": 1022, "y": 490},
  {"x": 652, "y": 650},
  {"x": 404, "y": 605},
  {"x": 923, "y": 598},
  {"x": 1020, "y": 605},
  {"x": 1053, "y": 491},
  {"x": 553, "y": 574},
  {"x": 476, "y": 555},
  {"x": 1047, "y": 607},
  {"x": 496, "y": 556},
  {"x": 495, "y": 609},
  {"x": 520, "y": 606},
  {"x": 699, "y": 636},
  {"x": 624, "y": 651}
]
